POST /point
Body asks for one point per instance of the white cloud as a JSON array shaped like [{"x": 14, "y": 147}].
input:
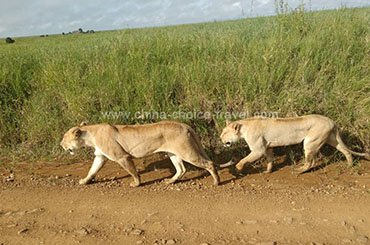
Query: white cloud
[{"x": 26, "y": 17}]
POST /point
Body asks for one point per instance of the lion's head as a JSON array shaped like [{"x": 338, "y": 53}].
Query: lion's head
[
  {"x": 72, "y": 140},
  {"x": 231, "y": 133}
]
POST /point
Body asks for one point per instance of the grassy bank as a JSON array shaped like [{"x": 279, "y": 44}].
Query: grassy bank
[{"x": 293, "y": 64}]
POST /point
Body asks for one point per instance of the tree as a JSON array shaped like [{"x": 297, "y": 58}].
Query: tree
[{"x": 9, "y": 40}]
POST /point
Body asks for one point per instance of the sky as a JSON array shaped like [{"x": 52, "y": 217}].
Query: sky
[{"x": 38, "y": 17}]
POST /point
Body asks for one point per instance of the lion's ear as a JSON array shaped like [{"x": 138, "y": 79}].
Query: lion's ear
[
  {"x": 83, "y": 123},
  {"x": 237, "y": 127},
  {"x": 227, "y": 122},
  {"x": 77, "y": 133}
]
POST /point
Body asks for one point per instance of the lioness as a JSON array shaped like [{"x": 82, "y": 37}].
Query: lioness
[
  {"x": 121, "y": 143},
  {"x": 261, "y": 134}
]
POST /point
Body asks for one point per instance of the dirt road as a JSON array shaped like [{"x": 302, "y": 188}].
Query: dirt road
[{"x": 44, "y": 204}]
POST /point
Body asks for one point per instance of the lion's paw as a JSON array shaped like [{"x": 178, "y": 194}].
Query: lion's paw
[
  {"x": 239, "y": 168},
  {"x": 82, "y": 182},
  {"x": 301, "y": 170},
  {"x": 134, "y": 184},
  {"x": 169, "y": 181}
]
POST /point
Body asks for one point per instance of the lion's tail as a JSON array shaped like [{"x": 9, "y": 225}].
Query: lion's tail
[
  {"x": 227, "y": 164},
  {"x": 366, "y": 155},
  {"x": 198, "y": 143},
  {"x": 203, "y": 152}
]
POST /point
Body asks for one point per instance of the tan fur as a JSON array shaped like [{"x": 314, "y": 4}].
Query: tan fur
[
  {"x": 121, "y": 143},
  {"x": 261, "y": 134}
]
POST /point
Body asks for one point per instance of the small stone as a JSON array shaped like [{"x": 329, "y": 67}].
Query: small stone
[
  {"x": 11, "y": 225},
  {"x": 345, "y": 240},
  {"x": 139, "y": 242},
  {"x": 204, "y": 243},
  {"x": 22, "y": 231},
  {"x": 144, "y": 221},
  {"x": 289, "y": 220},
  {"x": 352, "y": 229},
  {"x": 250, "y": 222},
  {"x": 344, "y": 223},
  {"x": 239, "y": 222},
  {"x": 267, "y": 243},
  {"x": 152, "y": 214},
  {"x": 21, "y": 213},
  {"x": 83, "y": 231},
  {"x": 10, "y": 178},
  {"x": 171, "y": 241},
  {"x": 362, "y": 239},
  {"x": 35, "y": 210},
  {"x": 136, "y": 232}
]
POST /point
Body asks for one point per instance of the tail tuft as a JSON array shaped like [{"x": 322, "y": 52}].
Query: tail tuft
[
  {"x": 233, "y": 161},
  {"x": 367, "y": 156}
]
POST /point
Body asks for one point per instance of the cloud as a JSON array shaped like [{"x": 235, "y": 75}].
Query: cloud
[{"x": 25, "y": 17}]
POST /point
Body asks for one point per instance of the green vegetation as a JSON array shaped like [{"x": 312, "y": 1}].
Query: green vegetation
[{"x": 293, "y": 64}]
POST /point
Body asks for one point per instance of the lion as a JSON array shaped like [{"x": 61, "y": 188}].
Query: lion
[
  {"x": 262, "y": 134},
  {"x": 122, "y": 143}
]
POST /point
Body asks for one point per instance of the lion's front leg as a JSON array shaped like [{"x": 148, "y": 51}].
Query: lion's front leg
[
  {"x": 253, "y": 156},
  {"x": 179, "y": 166},
  {"x": 98, "y": 163}
]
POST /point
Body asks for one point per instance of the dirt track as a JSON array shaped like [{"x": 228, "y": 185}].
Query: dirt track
[{"x": 45, "y": 205}]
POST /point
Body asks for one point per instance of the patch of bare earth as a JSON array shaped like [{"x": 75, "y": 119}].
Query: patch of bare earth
[{"x": 44, "y": 204}]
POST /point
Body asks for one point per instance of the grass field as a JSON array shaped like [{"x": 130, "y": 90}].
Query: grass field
[{"x": 292, "y": 64}]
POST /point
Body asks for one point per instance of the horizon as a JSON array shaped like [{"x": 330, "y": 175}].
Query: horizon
[{"x": 21, "y": 19}]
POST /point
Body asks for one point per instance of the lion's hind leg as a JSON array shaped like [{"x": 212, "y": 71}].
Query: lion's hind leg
[
  {"x": 179, "y": 166},
  {"x": 212, "y": 170},
  {"x": 311, "y": 147},
  {"x": 207, "y": 165},
  {"x": 269, "y": 157},
  {"x": 128, "y": 165},
  {"x": 332, "y": 140}
]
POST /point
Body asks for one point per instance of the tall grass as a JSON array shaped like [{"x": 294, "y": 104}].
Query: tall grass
[{"x": 295, "y": 63}]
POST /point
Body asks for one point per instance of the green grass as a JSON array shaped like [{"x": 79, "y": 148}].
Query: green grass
[{"x": 293, "y": 64}]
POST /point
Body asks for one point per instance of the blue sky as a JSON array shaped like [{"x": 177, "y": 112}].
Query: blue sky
[{"x": 36, "y": 17}]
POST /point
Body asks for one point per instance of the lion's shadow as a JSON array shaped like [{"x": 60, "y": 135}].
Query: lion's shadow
[
  {"x": 288, "y": 156},
  {"x": 291, "y": 156},
  {"x": 161, "y": 165}
]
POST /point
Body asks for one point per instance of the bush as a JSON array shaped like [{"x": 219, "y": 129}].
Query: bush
[{"x": 9, "y": 40}]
